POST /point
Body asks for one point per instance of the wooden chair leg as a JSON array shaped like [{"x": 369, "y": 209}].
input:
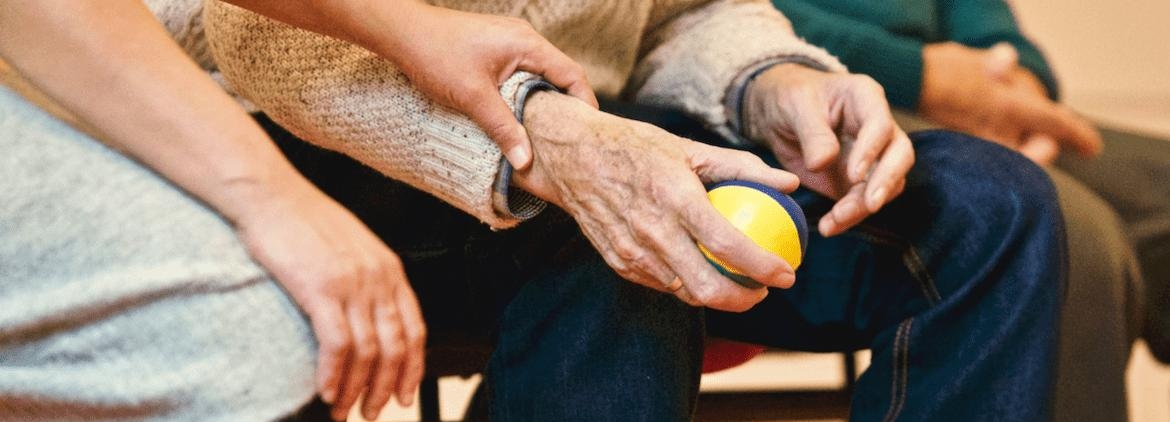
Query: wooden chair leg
[
  {"x": 850, "y": 359},
  {"x": 428, "y": 400}
]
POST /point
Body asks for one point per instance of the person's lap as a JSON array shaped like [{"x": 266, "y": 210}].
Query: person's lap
[
  {"x": 1130, "y": 175},
  {"x": 123, "y": 298}
]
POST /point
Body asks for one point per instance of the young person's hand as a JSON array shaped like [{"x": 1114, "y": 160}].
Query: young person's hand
[
  {"x": 368, "y": 325},
  {"x": 637, "y": 193},
  {"x": 455, "y": 58},
  {"x": 836, "y": 132},
  {"x": 986, "y": 93},
  {"x": 479, "y": 53}
]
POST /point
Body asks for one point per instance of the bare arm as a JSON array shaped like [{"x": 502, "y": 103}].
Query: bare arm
[{"x": 112, "y": 65}]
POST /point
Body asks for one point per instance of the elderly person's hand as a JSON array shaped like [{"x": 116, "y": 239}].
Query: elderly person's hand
[
  {"x": 637, "y": 193},
  {"x": 986, "y": 93},
  {"x": 476, "y": 53},
  {"x": 836, "y": 132}
]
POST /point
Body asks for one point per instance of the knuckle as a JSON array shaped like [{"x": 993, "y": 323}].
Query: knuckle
[
  {"x": 417, "y": 340},
  {"x": 705, "y": 294},
  {"x": 393, "y": 354},
  {"x": 365, "y": 348}
]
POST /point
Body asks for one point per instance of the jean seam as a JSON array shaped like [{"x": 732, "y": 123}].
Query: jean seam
[
  {"x": 910, "y": 258},
  {"x": 917, "y": 267},
  {"x": 901, "y": 374}
]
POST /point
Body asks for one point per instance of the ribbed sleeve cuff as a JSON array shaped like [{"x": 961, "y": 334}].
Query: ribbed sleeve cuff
[
  {"x": 734, "y": 100},
  {"x": 518, "y": 204}
]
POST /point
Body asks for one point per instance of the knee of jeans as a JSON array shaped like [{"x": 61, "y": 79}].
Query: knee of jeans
[{"x": 996, "y": 185}]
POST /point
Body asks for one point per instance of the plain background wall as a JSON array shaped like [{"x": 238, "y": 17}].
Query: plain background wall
[{"x": 1112, "y": 57}]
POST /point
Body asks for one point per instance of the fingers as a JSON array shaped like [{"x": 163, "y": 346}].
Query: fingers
[
  {"x": 818, "y": 144},
  {"x": 877, "y": 131},
  {"x": 1041, "y": 116},
  {"x": 488, "y": 110},
  {"x": 702, "y": 283},
  {"x": 361, "y": 359},
  {"x": 734, "y": 248},
  {"x": 890, "y": 170},
  {"x": 714, "y": 165},
  {"x": 560, "y": 70},
  {"x": 1040, "y": 148},
  {"x": 1002, "y": 58},
  {"x": 385, "y": 377},
  {"x": 334, "y": 345},
  {"x": 415, "y": 330},
  {"x": 846, "y": 213}
]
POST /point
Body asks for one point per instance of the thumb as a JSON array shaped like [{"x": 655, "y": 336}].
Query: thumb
[
  {"x": 1000, "y": 60},
  {"x": 491, "y": 113}
]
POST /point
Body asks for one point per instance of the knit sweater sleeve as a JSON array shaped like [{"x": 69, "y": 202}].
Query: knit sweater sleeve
[
  {"x": 699, "y": 60},
  {"x": 345, "y": 98},
  {"x": 983, "y": 23}
]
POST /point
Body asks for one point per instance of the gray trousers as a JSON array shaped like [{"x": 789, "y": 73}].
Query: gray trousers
[{"x": 122, "y": 298}]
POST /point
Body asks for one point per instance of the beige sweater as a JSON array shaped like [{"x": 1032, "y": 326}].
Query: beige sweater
[{"x": 684, "y": 54}]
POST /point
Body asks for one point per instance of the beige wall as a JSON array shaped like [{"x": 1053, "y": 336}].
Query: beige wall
[{"x": 1113, "y": 57}]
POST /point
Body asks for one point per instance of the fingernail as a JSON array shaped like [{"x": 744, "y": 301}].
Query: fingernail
[
  {"x": 787, "y": 280},
  {"x": 518, "y": 156},
  {"x": 328, "y": 395},
  {"x": 877, "y": 198}
]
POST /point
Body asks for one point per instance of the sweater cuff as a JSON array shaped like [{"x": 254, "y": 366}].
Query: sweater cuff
[
  {"x": 518, "y": 204},
  {"x": 733, "y": 132}
]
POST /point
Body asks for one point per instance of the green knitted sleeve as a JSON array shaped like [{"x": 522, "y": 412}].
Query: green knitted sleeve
[
  {"x": 983, "y": 23},
  {"x": 894, "y": 61}
]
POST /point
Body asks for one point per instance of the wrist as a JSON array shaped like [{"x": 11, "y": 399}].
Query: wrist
[
  {"x": 761, "y": 95},
  {"x": 552, "y": 118},
  {"x": 937, "y": 76},
  {"x": 388, "y": 28}
]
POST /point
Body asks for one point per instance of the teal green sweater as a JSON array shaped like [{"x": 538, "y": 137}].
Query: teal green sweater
[{"x": 884, "y": 39}]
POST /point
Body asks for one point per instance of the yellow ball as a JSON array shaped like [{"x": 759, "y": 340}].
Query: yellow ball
[{"x": 768, "y": 217}]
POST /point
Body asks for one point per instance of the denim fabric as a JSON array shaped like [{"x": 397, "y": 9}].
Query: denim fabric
[
  {"x": 956, "y": 286},
  {"x": 573, "y": 341}
]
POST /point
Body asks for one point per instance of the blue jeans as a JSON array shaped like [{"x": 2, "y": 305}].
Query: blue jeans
[{"x": 955, "y": 286}]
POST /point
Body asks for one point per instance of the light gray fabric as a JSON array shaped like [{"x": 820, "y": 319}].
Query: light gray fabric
[{"x": 121, "y": 298}]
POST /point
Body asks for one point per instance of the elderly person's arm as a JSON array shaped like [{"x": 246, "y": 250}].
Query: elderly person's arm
[
  {"x": 738, "y": 66},
  {"x": 445, "y": 55},
  {"x": 344, "y": 97}
]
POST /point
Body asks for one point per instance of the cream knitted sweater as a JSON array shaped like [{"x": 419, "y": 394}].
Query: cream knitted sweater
[{"x": 691, "y": 55}]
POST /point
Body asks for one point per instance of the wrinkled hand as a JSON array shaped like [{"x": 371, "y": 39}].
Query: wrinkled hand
[
  {"x": 637, "y": 193},
  {"x": 478, "y": 53},
  {"x": 836, "y": 132},
  {"x": 988, "y": 94},
  {"x": 353, "y": 288}
]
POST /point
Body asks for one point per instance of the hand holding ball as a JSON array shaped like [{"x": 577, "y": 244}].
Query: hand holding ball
[{"x": 768, "y": 217}]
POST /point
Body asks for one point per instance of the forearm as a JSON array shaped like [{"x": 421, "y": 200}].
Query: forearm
[{"x": 111, "y": 65}]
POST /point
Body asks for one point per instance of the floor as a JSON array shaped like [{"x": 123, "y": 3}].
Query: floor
[{"x": 1148, "y": 383}]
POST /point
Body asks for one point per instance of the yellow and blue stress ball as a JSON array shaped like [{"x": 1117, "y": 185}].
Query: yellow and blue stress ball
[{"x": 767, "y": 216}]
